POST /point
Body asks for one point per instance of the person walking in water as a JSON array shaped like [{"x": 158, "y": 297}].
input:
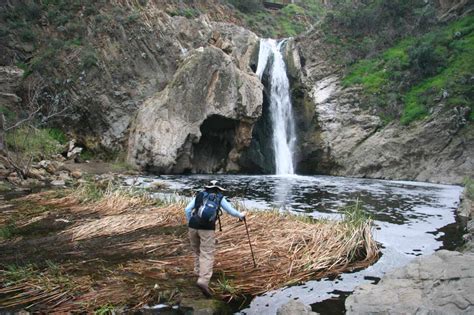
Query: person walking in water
[{"x": 201, "y": 215}]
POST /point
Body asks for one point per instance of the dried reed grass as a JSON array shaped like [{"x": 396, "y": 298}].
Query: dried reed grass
[{"x": 287, "y": 249}]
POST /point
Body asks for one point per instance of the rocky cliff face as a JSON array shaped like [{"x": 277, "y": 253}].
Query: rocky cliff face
[
  {"x": 203, "y": 119},
  {"x": 342, "y": 138}
]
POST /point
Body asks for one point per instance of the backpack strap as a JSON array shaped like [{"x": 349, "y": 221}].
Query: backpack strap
[{"x": 199, "y": 199}]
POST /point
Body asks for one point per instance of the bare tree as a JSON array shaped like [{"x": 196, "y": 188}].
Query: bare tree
[{"x": 36, "y": 112}]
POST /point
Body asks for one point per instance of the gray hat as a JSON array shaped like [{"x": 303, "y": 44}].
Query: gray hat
[{"x": 213, "y": 184}]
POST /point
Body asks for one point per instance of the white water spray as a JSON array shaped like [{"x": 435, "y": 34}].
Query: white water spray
[{"x": 280, "y": 104}]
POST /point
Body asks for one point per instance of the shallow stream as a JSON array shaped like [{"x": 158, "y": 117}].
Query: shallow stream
[{"x": 411, "y": 219}]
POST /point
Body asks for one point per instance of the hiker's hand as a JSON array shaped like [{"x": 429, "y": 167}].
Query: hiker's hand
[{"x": 243, "y": 216}]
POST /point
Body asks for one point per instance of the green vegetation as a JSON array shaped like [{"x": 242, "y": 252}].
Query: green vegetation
[
  {"x": 5, "y": 186},
  {"x": 227, "y": 286},
  {"x": 105, "y": 310},
  {"x": 188, "y": 13},
  {"x": 23, "y": 211},
  {"x": 363, "y": 29},
  {"x": 355, "y": 215},
  {"x": 247, "y": 6},
  {"x": 7, "y": 231},
  {"x": 66, "y": 23},
  {"x": 57, "y": 134},
  {"x": 32, "y": 142},
  {"x": 469, "y": 186},
  {"x": 292, "y": 20},
  {"x": 14, "y": 273},
  {"x": 50, "y": 275},
  {"x": 91, "y": 190},
  {"x": 87, "y": 155},
  {"x": 89, "y": 58},
  {"x": 423, "y": 70}
]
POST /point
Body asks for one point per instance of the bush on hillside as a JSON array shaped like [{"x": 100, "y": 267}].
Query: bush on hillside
[
  {"x": 469, "y": 187},
  {"x": 365, "y": 28},
  {"x": 422, "y": 71},
  {"x": 425, "y": 59},
  {"x": 247, "y": 6},
  {"x": 31, "y": 142}
]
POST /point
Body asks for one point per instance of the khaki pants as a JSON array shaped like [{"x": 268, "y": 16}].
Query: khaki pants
[{"x": 203, "y": 244}]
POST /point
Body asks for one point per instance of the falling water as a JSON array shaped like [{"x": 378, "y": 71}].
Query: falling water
[{"x": 280, "y": 104}]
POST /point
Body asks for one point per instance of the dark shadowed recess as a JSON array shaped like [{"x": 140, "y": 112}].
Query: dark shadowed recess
[{"x": 217, "y": 139}]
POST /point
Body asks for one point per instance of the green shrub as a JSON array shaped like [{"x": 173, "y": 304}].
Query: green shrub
[
  {"x": 7, "y": 232},
  {"x": 89, "y": 58},
  {"x": 90, "y": 191},
  {"x": 423, "y": 70},
  {"x": 368, "y": 27},
  {"x": 8, "y": 113},
  {"x": 28, "y": 10},
  {"x": 469, "y": 187},
  {"x": 247, "y": 6},
  {"x": 27, "y": 35},
  {"x": 292, "y": 9},
  {"x": 58, "y": 135},
  {"x": 425, "y": 59},
  {"x": 44, "y": 60},
  {"x": 87, "y": 154},
  {"x": 75, "y": 29},
  {"x": 33, "y": 142},
  {"x": 133, "y": 17}
]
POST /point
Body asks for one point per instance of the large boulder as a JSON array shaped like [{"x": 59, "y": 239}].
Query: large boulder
[
  {"x": 442, "y": 283},
  {"x": 201, "y": 120}
]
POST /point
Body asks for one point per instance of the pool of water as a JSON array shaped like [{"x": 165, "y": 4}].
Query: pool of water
[{"x": 411, "y": 219}]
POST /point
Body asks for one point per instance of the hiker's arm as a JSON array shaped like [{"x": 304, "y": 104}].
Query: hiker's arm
[
  {"x": 227, "y": 207},
  {"x": 189, "y": 208}
]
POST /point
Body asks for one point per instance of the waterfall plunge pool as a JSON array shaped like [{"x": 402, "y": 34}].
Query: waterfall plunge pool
[{"x": 411, "y": 219}]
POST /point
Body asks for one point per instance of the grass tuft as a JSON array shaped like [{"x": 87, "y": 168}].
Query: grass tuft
[
  {"x": 469, "y": 186},
  {"x": 29, "y": 141}
]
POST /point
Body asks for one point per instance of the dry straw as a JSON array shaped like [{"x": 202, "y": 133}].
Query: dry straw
[{"x": 288, "y": 249}]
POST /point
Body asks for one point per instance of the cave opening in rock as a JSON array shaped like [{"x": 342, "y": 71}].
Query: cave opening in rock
[{"x": 217, "y": 139}]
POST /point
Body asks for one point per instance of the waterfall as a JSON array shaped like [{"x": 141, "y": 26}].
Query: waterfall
[{"x": 280, "y": 104}]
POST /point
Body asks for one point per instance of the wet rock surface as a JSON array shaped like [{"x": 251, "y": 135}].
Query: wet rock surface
[
  {"x": 295, "y": 308},
  {"x": 442, "y": 283}
]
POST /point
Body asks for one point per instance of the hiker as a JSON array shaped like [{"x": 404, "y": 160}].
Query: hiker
[{"x": 201, "y": 215}]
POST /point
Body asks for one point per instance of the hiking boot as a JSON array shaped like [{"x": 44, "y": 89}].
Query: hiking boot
[{"x": 204, "y": 289}]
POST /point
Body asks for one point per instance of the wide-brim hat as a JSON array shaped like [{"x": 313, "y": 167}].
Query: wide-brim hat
[{"x": 214, "y": 184}]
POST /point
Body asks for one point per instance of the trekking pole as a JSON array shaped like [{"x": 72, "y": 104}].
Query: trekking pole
[
  {"x": 250, "y": 243},
  {"x": 219, "y": 218}
]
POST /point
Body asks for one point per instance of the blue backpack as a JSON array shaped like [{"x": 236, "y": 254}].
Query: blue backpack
[{"x": 208, "y": 210}]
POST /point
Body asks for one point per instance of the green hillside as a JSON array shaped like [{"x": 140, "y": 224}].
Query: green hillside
[{"x": 420, "y": 71}]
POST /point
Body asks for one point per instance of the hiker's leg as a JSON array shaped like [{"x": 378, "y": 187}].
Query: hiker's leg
[
  {"x": 206, "y": 257},
  {"x": 195, "y": 244}
]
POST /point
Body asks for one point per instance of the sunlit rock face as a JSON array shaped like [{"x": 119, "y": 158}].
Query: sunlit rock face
[
  {"x": 338, "y": 136},
  {"x": 202, "y": 119}
]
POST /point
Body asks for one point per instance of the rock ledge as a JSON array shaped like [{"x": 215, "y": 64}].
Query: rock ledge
[{"x": 442, "y": 283}]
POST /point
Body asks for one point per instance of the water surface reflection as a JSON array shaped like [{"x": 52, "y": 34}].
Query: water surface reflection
[{"x": 411, "y": 219}]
